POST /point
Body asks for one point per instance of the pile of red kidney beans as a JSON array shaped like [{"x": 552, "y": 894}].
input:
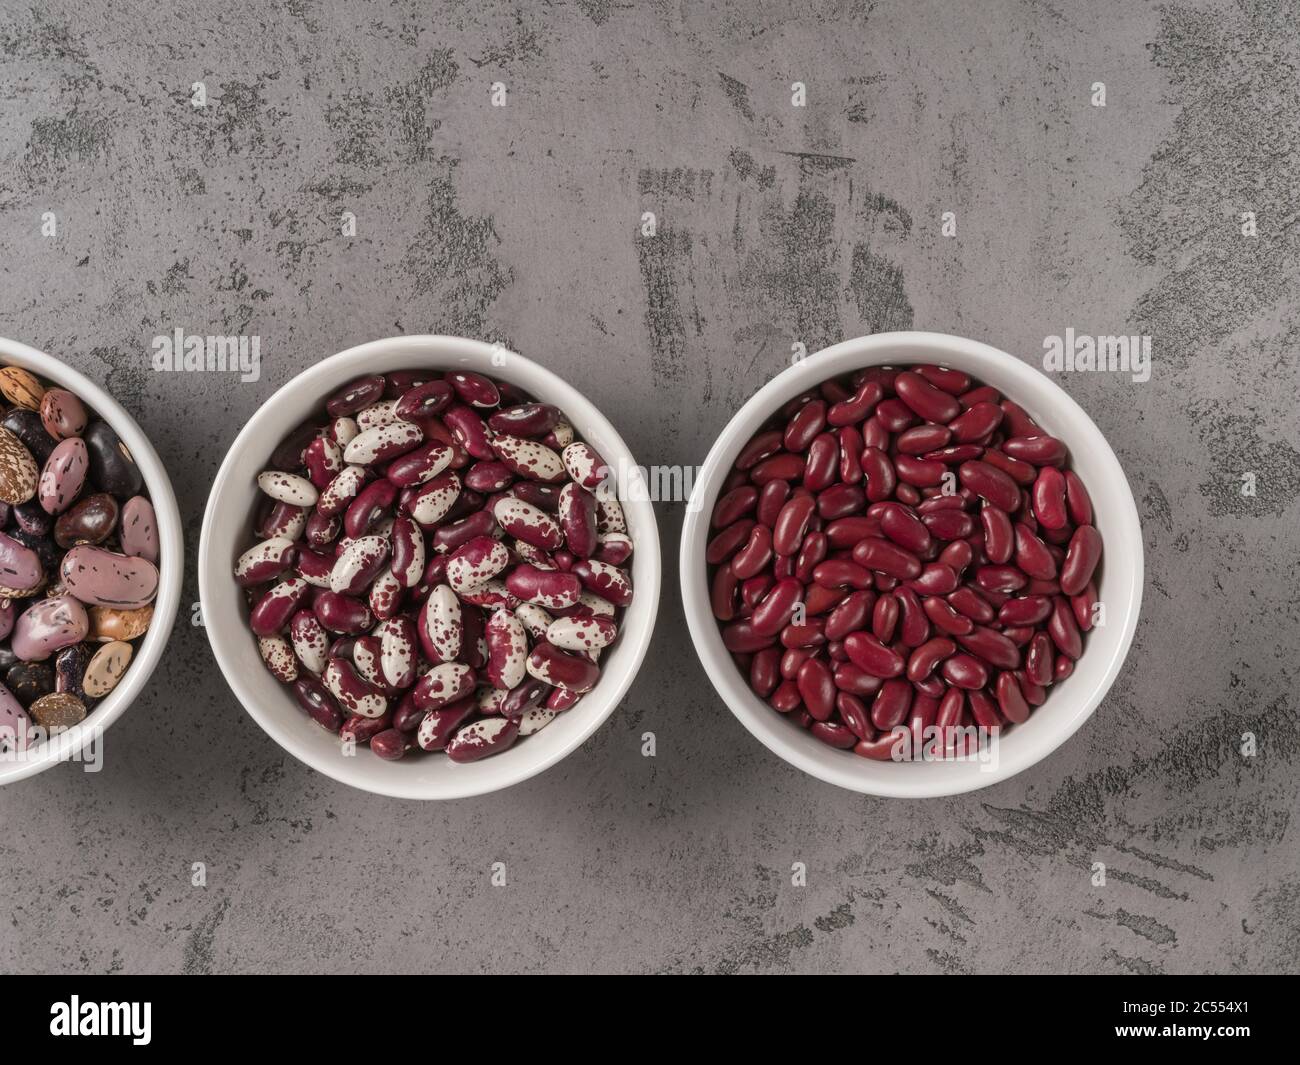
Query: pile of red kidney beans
[
  {"x": 903, "y": 548},
  {"x": 438, "y": 564}
]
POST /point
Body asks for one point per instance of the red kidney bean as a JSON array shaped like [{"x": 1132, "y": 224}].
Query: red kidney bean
[
  {"x": 753, "y": 590},
  {"x": 817, "y": 688},
  {"x": 810, "y": 634},
  {"x": 858, "y": 406},
  {"x": 874, "y": 434},
  {"x": 948, "y": 525},
  {"x": 970, "y": 603},
  {"x": 1035, "y": 694},
  {"x": 850, "y": 614},
  {"x": 728, "y": 542},
  {"x": 983, "y": 710},
  {"x": 976, "y": 422},
  {"x": 811, "y": 552},
  {"x": 884, "y": 619},
  {"x": 841, "y": 573},
  {"x": 792, "y": 523},
  {"x": 755, "y": 555},
  {"x": 1018, "y": 422},
  {"x": 999, "y": 537},
  {"x": 877, "y": 542},
  {"x": 1063, "y": 629},
  {"x": 834, "y": 734},
  {"x": 765, "y": 671},
  {"x": 722, "y": 593},
  {"x": 1011, "y": 700},
  {"x": 948, "y": 715},
  {"x": 1049, "y": 498},
  {"x": 839, "y": 501},
  {"x": 914, "y": 626},
  {"x": 785, "y": 467},
  {"x": 851, "y": 445},
  {"x": 890, "y": 706},
  {"x": 1020, "y": 472},
  {"x": 869, "y": 654},
  {"x": 877, "y": 553},
  {"x": 852, "y": 678},
  {"x": 927, "y": 402},
  {"x": 957, "y": 555},
  {"x": 1032, "y": 555},
  {"x": 1039, "y": 659},
  {"x": 964, "y": 671},
  {"x": 1082, "y": 606},
  {"x": 922, "y": 438},
  {"x": 761, "y": 447},
  {"x": 954, "y": 382},
  {"x": 823, "y": 463},
  {"x": 903, "y": 527},
  {"x": 1004, "y": 579},
  {"x": 1035, "y": 450},
  {"x": 785, "y": 699},
  {"x": 736, "y": 504},
  {"x": 1081, "y": 560},
  {"x": 845, "y": 532},
  {"x": 981, "y": 394},
  {"x": 792, "y": 658},
  {"x": 1077, "y": 500},
  {"x": 990, "y": 483},
  {"x": 776, "y": 608},
  {"x": 879, "y": 474},
  {"x": 991, "y": 646},
  {"x": 1027, "y": 610},
  {"x": 771, "y": 498},
  {"x": 805, "y": 425},
  {"x": 919, "y": 473},
  {"x": 955, "y": 455},
  {"x": 944, "y": 618},
  {"x": 936, "y": 579},
  {"x": 925, "y": 659},
  {"x": 855, "y": 715}
]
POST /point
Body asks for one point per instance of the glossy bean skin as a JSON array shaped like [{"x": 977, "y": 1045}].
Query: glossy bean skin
[
  {"x": 1049, "y": 498},
  {"x": 1081, "y": 560}
]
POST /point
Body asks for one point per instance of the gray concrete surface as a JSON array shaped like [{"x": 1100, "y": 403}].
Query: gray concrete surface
[{"x": 776, "y": 225}]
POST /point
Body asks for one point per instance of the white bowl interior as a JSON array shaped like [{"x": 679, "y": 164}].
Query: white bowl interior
[
  {"x": 149, "y": 650},
  {"x": 1069, "y": 703},
  {"x": 227, "y": 533}
]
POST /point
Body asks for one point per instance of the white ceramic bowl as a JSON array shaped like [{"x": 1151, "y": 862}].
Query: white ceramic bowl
[
  {"x": 170, "y": 570},
  {"x": 1069, "y": 704},
  {"x": 227, "y": 533}
]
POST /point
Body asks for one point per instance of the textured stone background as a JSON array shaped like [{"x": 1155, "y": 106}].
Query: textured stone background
[{"x": 776, "y": 225}]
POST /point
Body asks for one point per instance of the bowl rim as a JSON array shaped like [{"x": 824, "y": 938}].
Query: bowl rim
[
  {"x": 476, "y": 354},
  {"x": 171, "y": 561},
  {"x": 847, "y": 771}
]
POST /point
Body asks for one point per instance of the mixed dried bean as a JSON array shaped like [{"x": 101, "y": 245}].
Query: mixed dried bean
[{"x": 78, "y": 558}]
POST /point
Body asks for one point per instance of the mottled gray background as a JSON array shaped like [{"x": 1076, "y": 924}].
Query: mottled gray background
[{"x": 776, "y": 225}]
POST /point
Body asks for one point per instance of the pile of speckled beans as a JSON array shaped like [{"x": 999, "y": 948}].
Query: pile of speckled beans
[{"x": 437, "y": 566}]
